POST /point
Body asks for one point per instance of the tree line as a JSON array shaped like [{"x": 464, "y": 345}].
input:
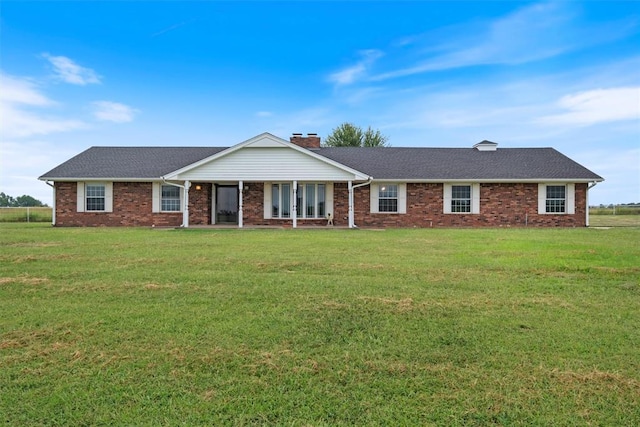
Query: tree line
[{"x": 23, "y": 201}]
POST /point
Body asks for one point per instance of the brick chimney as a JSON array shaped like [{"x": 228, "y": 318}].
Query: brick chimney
[{"x": 312, "y": 140}]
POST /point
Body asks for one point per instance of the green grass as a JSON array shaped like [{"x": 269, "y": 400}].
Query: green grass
[
  {"x": 319, "y": 327},
  {"x": 599, "y": 220},
  {"x": 39, "y": 214}
]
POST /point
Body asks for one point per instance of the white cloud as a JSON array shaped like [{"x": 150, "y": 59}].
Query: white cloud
[
  {"x": 597, "y": 106},
  {"x": 264, "y": 114},
  {"x": 70, "y": 72},
  {"x": 17, "y": 97},
  {"x": 531, "y": 33},
  {"x": 113, "y": 111},
  {"x": 354, "y": 72}
]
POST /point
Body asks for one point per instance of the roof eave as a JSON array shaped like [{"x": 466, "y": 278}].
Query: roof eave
[{"x": 491, "y": 180}]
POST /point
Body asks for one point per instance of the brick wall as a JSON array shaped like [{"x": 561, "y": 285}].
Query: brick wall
[{"x": 512, "y": 205}]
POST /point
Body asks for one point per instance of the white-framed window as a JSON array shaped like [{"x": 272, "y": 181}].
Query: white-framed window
[
  {"x": 166, "y": 198},
  {"x": 94, "y": 197},
  {"x": 312, "y": 199},
  {"x": 281, "y": 200},
  {"x": 556, "y": 198},
  {"x": 461, "y": 198},
  {"x": 170, "y": 198},
  {"x": 388, "y": 197}
]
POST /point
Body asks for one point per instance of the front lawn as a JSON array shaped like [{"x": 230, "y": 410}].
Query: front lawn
[{"x": 319, "y": 327}]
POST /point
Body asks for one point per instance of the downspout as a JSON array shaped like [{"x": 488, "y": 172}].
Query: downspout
[
  {"x": 352, "y": 223},
  {"x": 53, "y": 207},
  {"x": 185, "y": 210},
  {"x": 586, "y": 219}
]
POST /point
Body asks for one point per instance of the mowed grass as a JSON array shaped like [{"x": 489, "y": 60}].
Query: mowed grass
[{"x": 319, "y": 327}]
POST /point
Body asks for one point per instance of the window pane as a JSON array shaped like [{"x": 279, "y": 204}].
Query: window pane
[
  {"x": 311, "y": 200},
  {"x": 95, "y": 190},
  {"x": 460, "y": 206},
  {"x": 286, "y": 201},
  {"x": 388, "y": 191},
  {"x": 95, "y": 203},
  {"x": 461, "y": 192},
  {"x": 555, "y": 206},
  {"x": 556, "y": 191},
  {"x": 388, "y": 205},
  {"x": 299, "y": 203},
  {"x": 321, "y": 201},
  {"x": 275, "y": 201},
  {"x": 171, "y": 192}
]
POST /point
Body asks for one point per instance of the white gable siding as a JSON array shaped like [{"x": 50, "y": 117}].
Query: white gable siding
[{"x": 266, "y": 164}]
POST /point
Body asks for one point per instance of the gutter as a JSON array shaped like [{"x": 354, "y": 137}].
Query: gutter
[
  {"x": 351, "y": 201},
  {"x": 185, "y": 210},
  {"x": 53, "y": 205},
  {"x": 586, "y": 219}
]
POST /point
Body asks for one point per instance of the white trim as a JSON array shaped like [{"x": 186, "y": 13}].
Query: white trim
[
  {"x": 328, "y": 199},
  {"x": 80, "y": 202},
  {"x": 267, "y": 201},
  {"x": 156, "y": 196},
  {"x": 571, "y": 199},
  {"x": 108, "y": 197},
  {"x": 402, "y": 198}
]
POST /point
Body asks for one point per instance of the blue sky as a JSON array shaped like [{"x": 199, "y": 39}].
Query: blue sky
[{"x": 564, "y": 74}]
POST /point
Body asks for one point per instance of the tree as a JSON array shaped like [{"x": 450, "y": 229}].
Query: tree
[
  {"x": 350, "y": 135},
  {"x": 7, "y": 201}
]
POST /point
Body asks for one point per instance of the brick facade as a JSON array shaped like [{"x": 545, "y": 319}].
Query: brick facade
[{"x": 508, "y": 205}]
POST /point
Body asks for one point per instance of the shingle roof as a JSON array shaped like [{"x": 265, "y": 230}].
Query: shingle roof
[
  {"x": 460, "y": 163},
  {"x": 129, "y": 162},
  {"x": 392, "y": 163}
]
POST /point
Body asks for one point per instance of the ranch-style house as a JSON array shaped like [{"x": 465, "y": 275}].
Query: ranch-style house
[{"x": 269, "y": 181}]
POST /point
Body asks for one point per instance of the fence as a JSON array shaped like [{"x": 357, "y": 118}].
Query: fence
[
  {"x": 615, "y": 216},
  {"x": 26, "y": 214}
]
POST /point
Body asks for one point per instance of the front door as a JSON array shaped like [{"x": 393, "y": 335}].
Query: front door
[{"x": 226, "y": 204}]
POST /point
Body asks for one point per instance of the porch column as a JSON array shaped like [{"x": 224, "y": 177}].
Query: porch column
[
  {"x": 185, "y": 211},
  {"x": 295, "y": 204},
  {"x": 351, "y": 220},
  {"x": 241, "y": 191}
]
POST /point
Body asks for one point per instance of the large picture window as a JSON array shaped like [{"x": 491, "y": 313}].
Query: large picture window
[
  {"x": 95, "y": 197},
  {"x": 281, "y": 200},
  {"x": 311, "y": 200},
  {"x": 170, "y": 201}
]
